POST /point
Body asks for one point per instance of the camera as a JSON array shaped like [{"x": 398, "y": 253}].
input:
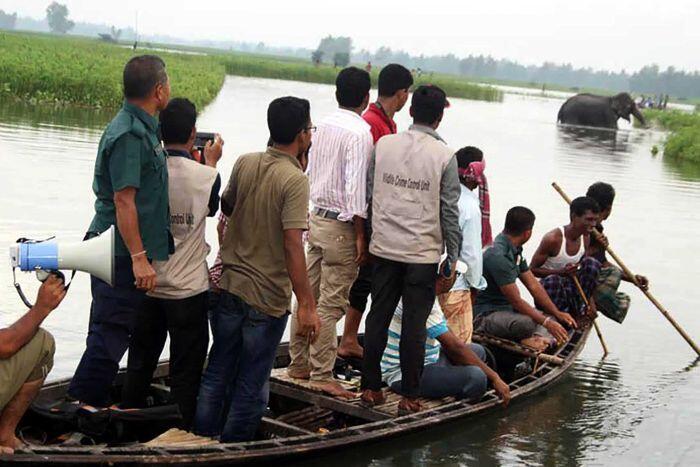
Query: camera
[{"x": 200, "y": 140}]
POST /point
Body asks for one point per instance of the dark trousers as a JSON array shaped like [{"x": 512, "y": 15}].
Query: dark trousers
[
  {"x": 361, "y": 288},
  {"x": 443, "y": 379},
  {"x": 112, "y": 316},
  {"x": 186, "y": 322},
  {"x": 240, "y": 362},
  {"x": 415, "y": 285}
]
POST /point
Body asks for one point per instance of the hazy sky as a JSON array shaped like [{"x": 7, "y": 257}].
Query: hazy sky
[{"x": 609, "y": 34}]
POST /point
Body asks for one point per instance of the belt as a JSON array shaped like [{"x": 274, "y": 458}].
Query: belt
[{"x": 327, "y": 214}]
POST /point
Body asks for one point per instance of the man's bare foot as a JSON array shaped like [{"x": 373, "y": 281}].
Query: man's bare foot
[
  {"x": 10, "y": 445},
  {"x": 537, "y": 343},
  {"x": 297, "y": 374},
  {"x": 350, "y": 350},
  {"x": 334, "y": 389}
]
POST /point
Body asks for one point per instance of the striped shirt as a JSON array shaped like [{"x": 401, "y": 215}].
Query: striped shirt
[
  {"x": 391, "y": 362},
  {"x": 340, "y": 152},
  {"x": 218, "y": 267}
]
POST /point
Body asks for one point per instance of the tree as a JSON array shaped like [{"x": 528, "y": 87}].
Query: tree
[
  {"x": 330, "y": 45},
  {"x": 7, "y": 21},
  {"x": 57, "y": 16},
  {"x": 317, "y": 56},
  {"x": 341, "y": 59}
]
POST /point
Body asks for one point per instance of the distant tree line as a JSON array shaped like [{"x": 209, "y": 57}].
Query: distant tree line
[
  {"x": 339, "y": 52},
  {"x": 649, "y": 79}
]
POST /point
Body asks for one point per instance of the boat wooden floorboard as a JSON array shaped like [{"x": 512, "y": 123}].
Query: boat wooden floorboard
[{"x": 390, "y": 407}]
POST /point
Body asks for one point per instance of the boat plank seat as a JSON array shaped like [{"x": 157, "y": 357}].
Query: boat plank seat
[{"x": 279, "y": 379}]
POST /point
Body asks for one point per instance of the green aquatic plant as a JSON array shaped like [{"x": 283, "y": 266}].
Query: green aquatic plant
[
  {"x": 45, "y": 68},
  {"x": 683, "y": 141},
  {"x": 48, "y": 68}
]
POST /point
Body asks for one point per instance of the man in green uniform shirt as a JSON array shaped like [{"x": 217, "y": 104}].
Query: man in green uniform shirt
[{"x": 131, "y": 185}]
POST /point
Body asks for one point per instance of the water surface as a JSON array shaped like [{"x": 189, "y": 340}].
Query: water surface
[{"x": 639, "y": 406}]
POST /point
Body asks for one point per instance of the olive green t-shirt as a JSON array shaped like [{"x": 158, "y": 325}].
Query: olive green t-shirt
[
  {"x": 130, "y": 155},
  {"x": 267, "y": 194}
]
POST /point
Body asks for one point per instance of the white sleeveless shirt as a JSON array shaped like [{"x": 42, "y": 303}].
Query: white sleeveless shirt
[{"x": 563, "y": 258}]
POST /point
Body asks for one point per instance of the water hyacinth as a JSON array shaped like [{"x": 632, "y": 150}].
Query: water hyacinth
[{"x": 77, "y": 70}]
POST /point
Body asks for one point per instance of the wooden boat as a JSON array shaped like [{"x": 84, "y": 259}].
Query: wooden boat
[{"x": 300, "y": 422}]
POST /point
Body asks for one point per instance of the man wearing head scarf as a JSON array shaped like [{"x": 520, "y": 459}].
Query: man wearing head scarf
[{"x": 457, "y": 303}]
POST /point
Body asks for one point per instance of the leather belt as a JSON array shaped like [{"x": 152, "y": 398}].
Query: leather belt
[{"x": 327, "y": 213}]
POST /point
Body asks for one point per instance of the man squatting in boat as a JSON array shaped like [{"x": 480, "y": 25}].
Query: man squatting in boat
[{"x": 417, "y": 196}]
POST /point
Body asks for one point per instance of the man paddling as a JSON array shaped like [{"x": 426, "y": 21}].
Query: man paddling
[
  {"x": 131, "y": 186},
  {"x": 610, "y": 302},
  {"x": 394, "y": 83},
  {"x": 500, "y": 310},
  {"x": 560, "y": 260}
]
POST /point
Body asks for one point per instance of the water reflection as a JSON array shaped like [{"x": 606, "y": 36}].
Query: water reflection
[
  {"x": 685, "y": 170},
  {"x": 586, "y": 138},
  {"x": 20, "y": 112},
  {"x": 596, "y": 415}
]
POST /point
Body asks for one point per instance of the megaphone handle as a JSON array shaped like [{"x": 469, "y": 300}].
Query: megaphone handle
[{"x": 42, "y": 275}]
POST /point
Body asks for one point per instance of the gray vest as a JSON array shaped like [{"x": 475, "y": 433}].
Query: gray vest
[{"x": 406, "y": 197}]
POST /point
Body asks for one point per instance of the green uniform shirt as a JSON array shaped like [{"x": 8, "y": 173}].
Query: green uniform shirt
[
  {"x": 130, "y": 155},
  {"x": 503, "y": 263},
  {"x": 267, "y": 194}
]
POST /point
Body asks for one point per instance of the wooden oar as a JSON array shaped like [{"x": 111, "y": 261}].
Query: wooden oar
[
  {"x": 595, "y": 323},
  {"x": 634, "y": 280}
]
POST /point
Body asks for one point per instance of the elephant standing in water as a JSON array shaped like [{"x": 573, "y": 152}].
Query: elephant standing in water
[{"x": 598, "y": 111}]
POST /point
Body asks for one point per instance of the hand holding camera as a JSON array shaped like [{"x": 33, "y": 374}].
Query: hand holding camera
[{"x": 210, "y": 146}]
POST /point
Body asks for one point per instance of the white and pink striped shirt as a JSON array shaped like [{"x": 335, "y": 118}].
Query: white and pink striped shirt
[{"x": 338, "y": 159}]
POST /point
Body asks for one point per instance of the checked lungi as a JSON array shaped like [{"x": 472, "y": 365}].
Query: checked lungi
[{"x": 563, "y": 291}]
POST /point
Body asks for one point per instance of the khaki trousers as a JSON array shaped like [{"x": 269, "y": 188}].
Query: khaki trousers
[
  {"x": 457, "y": 308},
  {"x": 331, "y": 266},
  {"x": 32, "y": 362}
]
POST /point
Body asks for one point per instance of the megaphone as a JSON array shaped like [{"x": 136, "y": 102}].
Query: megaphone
[{"x": 94, "y": 256}]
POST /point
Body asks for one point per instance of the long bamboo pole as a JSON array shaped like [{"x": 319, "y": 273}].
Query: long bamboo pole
[
  {"x": 634, "y": 280},
  {"x": 595, "y": 323}
]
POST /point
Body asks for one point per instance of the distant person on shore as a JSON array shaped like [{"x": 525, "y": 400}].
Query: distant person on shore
[
  {"x": 131, "y": 185},
  {"x": 609, "y": 300},
  {"x": 178, "y": 305},
  {"x": 394, "y": 84},
  {"x": 457, "y": 302},
  {"x": 560, "y": 259},
  {"x": 415, "y": 190},
  {"x": 452, "y": 368},
  {"x": 26, "y": 358},
  {"x": 266, "y": 202},
  {"x": 337, "y": 246},
  {"x": 499, "y": 309}
]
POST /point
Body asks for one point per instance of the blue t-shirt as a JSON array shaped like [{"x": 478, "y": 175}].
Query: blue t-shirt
[{"x": 391, "y": 362}]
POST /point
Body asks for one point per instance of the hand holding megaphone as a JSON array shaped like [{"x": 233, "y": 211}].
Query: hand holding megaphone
[{"x": 94, "y": 256}]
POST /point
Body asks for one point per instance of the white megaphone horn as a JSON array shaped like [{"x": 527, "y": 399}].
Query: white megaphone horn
[{"x": 94, "y": 256}]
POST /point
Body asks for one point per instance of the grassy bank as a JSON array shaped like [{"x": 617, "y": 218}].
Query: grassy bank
[
  {"x": 260, "y": 66},
  {"x": 46, "y": 68},
  {"x": 683, "y": 141}
]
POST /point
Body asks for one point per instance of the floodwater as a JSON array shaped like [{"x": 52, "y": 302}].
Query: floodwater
[{"x": 641, "y": 405}]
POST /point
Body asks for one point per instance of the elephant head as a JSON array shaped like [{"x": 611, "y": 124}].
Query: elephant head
[{"x": 623, "y": 105}]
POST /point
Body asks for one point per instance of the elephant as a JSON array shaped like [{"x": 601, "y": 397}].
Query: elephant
[{"x": 598, "y": 111}]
